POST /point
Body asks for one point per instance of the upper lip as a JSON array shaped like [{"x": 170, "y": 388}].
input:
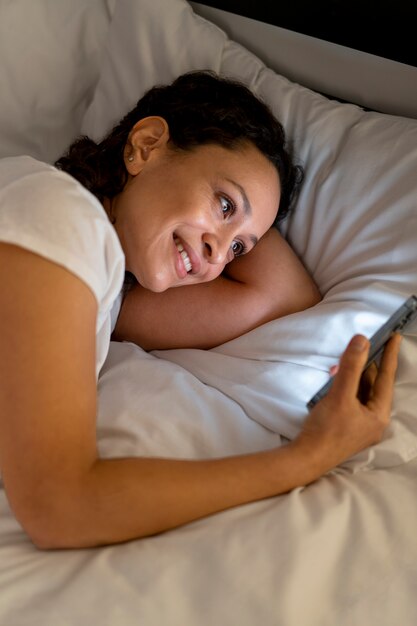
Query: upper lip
[{"x": 194, "y": 258}]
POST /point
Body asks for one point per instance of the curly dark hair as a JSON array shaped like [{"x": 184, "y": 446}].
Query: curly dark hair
[{"x": 199, "y": 107}]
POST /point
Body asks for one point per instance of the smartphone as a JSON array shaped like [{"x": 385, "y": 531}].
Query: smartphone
[{"x": 397, "y": 323}]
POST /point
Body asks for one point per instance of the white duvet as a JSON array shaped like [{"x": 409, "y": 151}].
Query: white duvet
[{"x": 340, "y": 552}]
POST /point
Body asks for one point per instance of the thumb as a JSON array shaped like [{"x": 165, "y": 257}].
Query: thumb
[{"x": 353, "y": 360}]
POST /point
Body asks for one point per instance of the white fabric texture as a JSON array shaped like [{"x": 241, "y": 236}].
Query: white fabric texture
[
  {"x": 50, "y": 55},
  {"x": 49, "y": 213},
  {"x": 355, "y": 224},
  {"x": 342, "y": 552}
]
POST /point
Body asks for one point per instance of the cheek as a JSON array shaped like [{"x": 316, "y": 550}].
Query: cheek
[{"x": 213, "y": 272}]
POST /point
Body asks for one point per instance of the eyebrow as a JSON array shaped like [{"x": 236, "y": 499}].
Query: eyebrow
[{"x": 246, "y": 205}]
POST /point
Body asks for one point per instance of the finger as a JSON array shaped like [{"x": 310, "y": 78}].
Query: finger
[
  {"x": 352, "y": 362},
  {"x": 367, "y": 383},
  {"x": 384, "y": 383}
]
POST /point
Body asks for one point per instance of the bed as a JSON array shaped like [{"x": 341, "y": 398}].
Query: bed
[{"x": 342, "y": 551}]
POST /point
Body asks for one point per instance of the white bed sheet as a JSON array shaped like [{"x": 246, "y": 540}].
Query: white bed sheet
[{"x": 342, "y": 551}]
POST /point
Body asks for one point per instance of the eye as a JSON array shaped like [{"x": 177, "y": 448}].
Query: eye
[
  {"x": 238, "y": 248},
  {"x": 227, "y": 206}
]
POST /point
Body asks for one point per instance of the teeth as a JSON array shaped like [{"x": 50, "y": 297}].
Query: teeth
[
  {"x": 186, "y": 260},
  {"x": 184, "y": 255}
]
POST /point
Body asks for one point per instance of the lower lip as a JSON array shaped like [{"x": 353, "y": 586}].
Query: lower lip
[{"x": 179, "y": 263}]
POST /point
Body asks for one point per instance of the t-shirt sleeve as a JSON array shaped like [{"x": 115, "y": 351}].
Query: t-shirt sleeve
[{"x": 49, "y": 213}]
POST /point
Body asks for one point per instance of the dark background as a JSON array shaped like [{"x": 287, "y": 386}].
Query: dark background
[{"x": 387, "y": 28}]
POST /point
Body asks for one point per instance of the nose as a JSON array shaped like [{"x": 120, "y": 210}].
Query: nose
[{"x": 216, "y": 249}]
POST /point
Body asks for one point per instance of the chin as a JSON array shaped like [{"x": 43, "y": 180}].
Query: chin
[
  {"x": 150, "y": 280},
  {"x": 157, "y": 283},
  {"x": 152, "y": 286}
]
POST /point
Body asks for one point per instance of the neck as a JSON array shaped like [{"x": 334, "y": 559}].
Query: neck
[{"x": 108, "y": 207}]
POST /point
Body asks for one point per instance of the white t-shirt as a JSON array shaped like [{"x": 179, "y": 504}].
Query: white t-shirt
[{"x": 48, "y": 212}]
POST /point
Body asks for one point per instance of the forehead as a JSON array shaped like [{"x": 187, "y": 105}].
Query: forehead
[
  {"x": 245, "y": 154},
  {"x": 244, "y": 165},
  {"x": 242, "y": 172}
]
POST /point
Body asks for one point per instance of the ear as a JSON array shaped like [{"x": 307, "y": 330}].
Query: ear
[{"x": 147, "y": 135}]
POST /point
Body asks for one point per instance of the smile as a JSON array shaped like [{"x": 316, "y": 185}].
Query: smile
[{"x": 185, "y": 258}]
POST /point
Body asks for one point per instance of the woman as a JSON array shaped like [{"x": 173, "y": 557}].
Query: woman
[
  {"x": 198, "y": 111},
  {"x": 188, "y": 182}
]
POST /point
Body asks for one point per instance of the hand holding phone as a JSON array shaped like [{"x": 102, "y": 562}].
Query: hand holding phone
[{"x": 397, "y": 323}]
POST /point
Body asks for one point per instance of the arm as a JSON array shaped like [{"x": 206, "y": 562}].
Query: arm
[
  {"x": 263, "y": 285},
  {"x": 63, "y": 494}
]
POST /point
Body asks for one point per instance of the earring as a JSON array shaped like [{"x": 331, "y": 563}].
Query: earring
[{"x": 131, "y": 158}]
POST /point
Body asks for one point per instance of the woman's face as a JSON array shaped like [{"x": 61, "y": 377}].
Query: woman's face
[{"x": 185, "y": 215}]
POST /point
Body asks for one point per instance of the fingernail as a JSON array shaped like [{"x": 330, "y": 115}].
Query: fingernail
[{"x": 359, "y": 343}]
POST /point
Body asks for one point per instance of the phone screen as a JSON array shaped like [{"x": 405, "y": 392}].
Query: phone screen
[{"x": 397, "y": 323}]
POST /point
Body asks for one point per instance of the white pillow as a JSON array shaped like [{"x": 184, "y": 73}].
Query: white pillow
[
  {"x": 50, "y": 52},
  {"x": 355, "y": 224}
]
